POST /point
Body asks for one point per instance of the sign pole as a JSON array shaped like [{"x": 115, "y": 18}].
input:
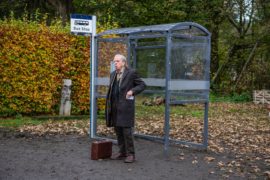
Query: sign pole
[
  {"x": 92, "y": 70},
  {"x": 81, "y": 24}
]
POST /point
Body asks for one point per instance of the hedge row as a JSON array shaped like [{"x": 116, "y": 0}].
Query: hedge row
[{"x": 34, "y": 59}]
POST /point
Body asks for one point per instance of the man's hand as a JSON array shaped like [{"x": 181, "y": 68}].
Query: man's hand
[{"x": 129, "y": 94}]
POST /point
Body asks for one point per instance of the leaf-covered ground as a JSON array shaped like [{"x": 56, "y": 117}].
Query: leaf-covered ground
[{"x": 238, "y": 130}]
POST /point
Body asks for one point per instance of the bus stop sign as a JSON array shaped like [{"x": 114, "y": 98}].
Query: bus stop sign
[{"x": 81, "y": 24}]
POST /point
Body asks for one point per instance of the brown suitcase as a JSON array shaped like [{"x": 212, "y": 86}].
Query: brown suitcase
[{"x": 101, "y": 150}]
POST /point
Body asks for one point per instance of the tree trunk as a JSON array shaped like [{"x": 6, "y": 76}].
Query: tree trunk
[
  {"x": 63, "y": 7},
  {"x": 220, "y": 69},
  {"x": 214, "y": 53},
  {"x": 246, "y": 63}
]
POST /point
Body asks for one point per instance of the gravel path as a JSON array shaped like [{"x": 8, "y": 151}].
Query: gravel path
[{"x": 67, "y": 157}]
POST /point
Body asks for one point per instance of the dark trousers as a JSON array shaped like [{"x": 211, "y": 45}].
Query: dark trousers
[{"x": 125, "y": 140}]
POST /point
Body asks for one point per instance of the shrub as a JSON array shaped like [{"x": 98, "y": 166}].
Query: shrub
[
  {"x": 35, "y": 58},
  {"x": 33, "y": 61}
]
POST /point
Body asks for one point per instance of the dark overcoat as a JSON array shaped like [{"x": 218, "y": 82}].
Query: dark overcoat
[{"x": 125, "y": 107}]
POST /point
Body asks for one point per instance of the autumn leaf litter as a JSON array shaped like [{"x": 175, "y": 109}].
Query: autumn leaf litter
[{"x": 239, "y": 129}]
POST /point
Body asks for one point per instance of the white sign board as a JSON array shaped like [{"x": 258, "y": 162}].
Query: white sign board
[{"x": 81, "y": 24}]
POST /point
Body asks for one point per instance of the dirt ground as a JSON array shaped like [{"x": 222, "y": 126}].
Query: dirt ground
[{"x": 25, "y": 156}]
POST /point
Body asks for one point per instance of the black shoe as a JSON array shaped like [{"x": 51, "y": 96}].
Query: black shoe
[
  {"x": 130, "y": 159},
  {"x": 118, "y": 156}
]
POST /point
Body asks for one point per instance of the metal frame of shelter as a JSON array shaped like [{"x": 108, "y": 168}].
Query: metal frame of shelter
[{"x": 179, "y": 38}]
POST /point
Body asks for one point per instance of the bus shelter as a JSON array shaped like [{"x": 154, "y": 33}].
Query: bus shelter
[{"x": 173, "y": 60}]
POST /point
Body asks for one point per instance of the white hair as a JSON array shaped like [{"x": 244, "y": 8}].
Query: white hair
[{"x": 123, "y": 58}]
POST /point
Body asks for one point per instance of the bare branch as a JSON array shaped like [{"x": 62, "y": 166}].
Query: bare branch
[
  {"x": 232, "y": 21},
  {"x": 250, "y": 17}
]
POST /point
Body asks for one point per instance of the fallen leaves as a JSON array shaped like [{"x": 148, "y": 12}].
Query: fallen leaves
[
  {"x": 242, "y": 129},
  {"x": 209, "y": 159},
  {"x": 220, "y": 164},
  {"x": 194, "y": 162},
  {"x": 267, "y": 173},
  {"x": 181, "y": 156},
  {"x": 80, "y": 127}
]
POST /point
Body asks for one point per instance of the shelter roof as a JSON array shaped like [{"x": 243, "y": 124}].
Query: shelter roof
[{"x": 156, "y": 29}]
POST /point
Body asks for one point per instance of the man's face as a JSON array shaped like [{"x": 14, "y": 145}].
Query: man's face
[{"x": 118, "y": 63}]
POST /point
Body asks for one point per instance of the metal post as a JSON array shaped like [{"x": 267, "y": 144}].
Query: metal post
[
  {"x": 205, "y": 125},
  {"x": 206, "y": 105},
  {"x": 128, "y": 50},
  {"x": 167, "y": 96},
  {"x": 92, "y": 78}
]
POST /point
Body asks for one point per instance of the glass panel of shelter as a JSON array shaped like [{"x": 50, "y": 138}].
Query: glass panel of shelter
[
  {"x": 106, "y": 50},
  {"x": 189, "y": 79}
]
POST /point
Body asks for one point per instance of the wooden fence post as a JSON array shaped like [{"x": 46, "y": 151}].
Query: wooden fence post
[{"x": 65, "y": 105}]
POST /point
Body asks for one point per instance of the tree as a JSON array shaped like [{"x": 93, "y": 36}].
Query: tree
[
  {"x": 133, "y": 13},
  {"x": 59, "y": 8},
  {"x": 240, "y": 28},
  {"x": 243, "y": 36},
  {"x": 63, "y": 8}
]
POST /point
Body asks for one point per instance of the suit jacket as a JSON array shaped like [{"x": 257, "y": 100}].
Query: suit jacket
[{"x": 125, "y": 107}]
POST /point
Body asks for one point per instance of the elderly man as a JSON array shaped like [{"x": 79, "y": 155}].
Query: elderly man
[{"x": 120, "y": 109}]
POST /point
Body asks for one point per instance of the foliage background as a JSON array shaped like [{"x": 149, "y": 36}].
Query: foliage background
[
  {"x": 37, "y": 52},
  {"x": 34, "y": 60}
]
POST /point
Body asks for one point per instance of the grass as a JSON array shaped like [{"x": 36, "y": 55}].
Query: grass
[
  {"x": 235, "y": 97},
  {"x": 19, "y": 121},
  {"x": 193, "y": 110}
]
